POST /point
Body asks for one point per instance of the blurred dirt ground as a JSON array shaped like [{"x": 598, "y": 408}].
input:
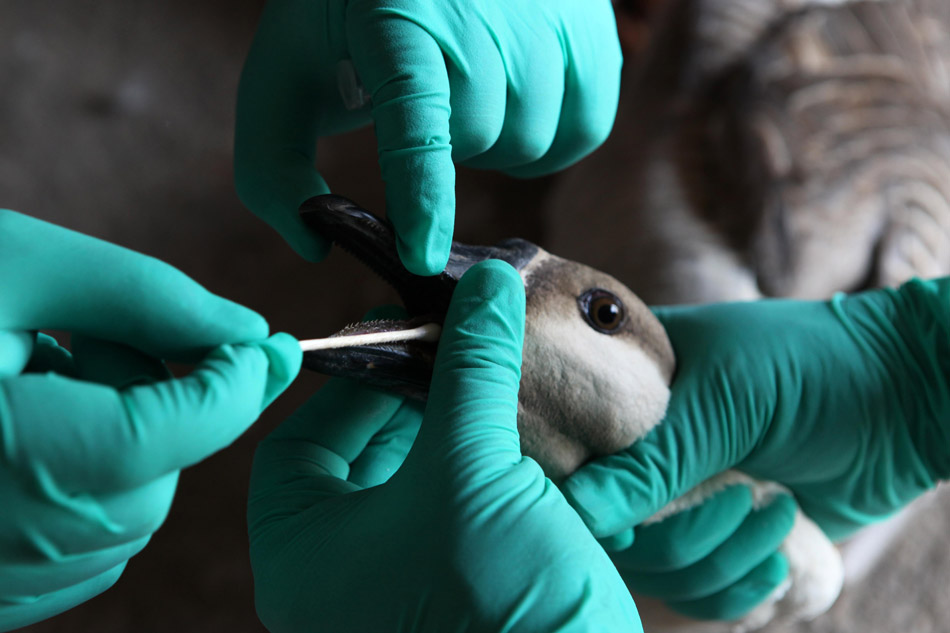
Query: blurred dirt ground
[{"x": 116, "y": 120}]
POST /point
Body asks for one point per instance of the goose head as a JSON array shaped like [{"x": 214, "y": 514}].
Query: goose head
[{"x": 596, "y": 363}]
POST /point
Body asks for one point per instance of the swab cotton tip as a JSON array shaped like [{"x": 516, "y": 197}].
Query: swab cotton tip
[{"x": 428, "y": 333}]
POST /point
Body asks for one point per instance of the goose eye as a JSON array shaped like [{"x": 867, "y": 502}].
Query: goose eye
[{"x": 602, "y": 310}]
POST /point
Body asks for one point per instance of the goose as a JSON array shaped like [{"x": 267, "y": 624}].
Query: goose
[
  {"x": 789, "y": 148},
  {"x": 596, "y": 371}
]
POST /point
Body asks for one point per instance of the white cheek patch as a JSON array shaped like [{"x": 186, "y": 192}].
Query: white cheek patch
[
  {"x": 607, "y": 386},
  {"x": 633, "y": 393}
]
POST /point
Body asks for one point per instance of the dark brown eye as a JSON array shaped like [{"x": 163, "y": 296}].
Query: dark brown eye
[{"x": 602, "y": 310}]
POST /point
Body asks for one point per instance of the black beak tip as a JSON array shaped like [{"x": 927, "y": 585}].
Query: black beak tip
[{"x": 335, "y": 217}]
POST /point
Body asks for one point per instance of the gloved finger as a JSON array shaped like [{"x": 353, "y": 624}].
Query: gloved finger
[
  {"x": 53, "y": 526},
  {"x": 402, "y": 67},
  {"x": 330, "y": 430},
  {"x": 478, "y": 95},
  {"x": 306, "y": 459},
  {"x": 688, "y": 536},
  {"x": 759, "y": 536},
  {"x": 16, "y": 348},
  {"x": 616, "y": 492},
  {"x": 387, "y": 449},
  {"x": 287, "y": 98},
  {"x": 470, "y": 421},
  {"x": 49, "y": 355},
  {"x": 619, "y": 491},
  {"x": 532, "y": 110},
  {"x": 114, "y": 364},
  {"x": 308, "y": 456},
  {"x": 93, "y": 438},
  {"x": 591, "y": 94},
  {"x": 59, "y": 279},
  {"x": 739, "y": 599},
  {"x": 20, "y": 611},
  {"x": 41, "y": 577}
]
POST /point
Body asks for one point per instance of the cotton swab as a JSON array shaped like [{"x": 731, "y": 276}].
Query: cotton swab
[{"x": 428, "y": 333}]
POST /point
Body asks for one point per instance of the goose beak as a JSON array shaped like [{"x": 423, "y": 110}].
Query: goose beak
[{"x": 405, "y": 367}]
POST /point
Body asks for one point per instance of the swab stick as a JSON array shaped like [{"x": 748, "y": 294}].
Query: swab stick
[{"x": 428, "y": 333}]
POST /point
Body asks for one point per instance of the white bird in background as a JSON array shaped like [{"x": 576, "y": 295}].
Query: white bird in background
[{"x": 771, "y": 148}]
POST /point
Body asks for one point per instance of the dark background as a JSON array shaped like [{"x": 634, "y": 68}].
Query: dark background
[{"x": 116, "y": 120}]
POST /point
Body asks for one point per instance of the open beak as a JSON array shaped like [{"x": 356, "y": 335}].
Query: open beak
[{"x": 404, "y": 367}]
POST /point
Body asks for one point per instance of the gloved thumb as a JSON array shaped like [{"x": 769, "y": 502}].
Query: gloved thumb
[
  {"x": 470, "y": 422},
  {"x": 613, "y": 494}
]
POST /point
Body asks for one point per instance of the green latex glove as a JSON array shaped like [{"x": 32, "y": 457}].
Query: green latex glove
[
  {"x": 91, "y": 441},
  {"x": 845, "y": 402},
  {"x": 467, "y": 535},
  {"x": 518, "y": 85},
  {"x": 715, "y": 561}
]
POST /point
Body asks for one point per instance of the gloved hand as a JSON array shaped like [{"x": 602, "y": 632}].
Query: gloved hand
[
  {"x": 467, "y": 535},
  {"x": 845, "y": 402},
  {"x": 91, "y": 442},
  {"x": 714, "y": 561},
  {"x": 518, "y": 85}
]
